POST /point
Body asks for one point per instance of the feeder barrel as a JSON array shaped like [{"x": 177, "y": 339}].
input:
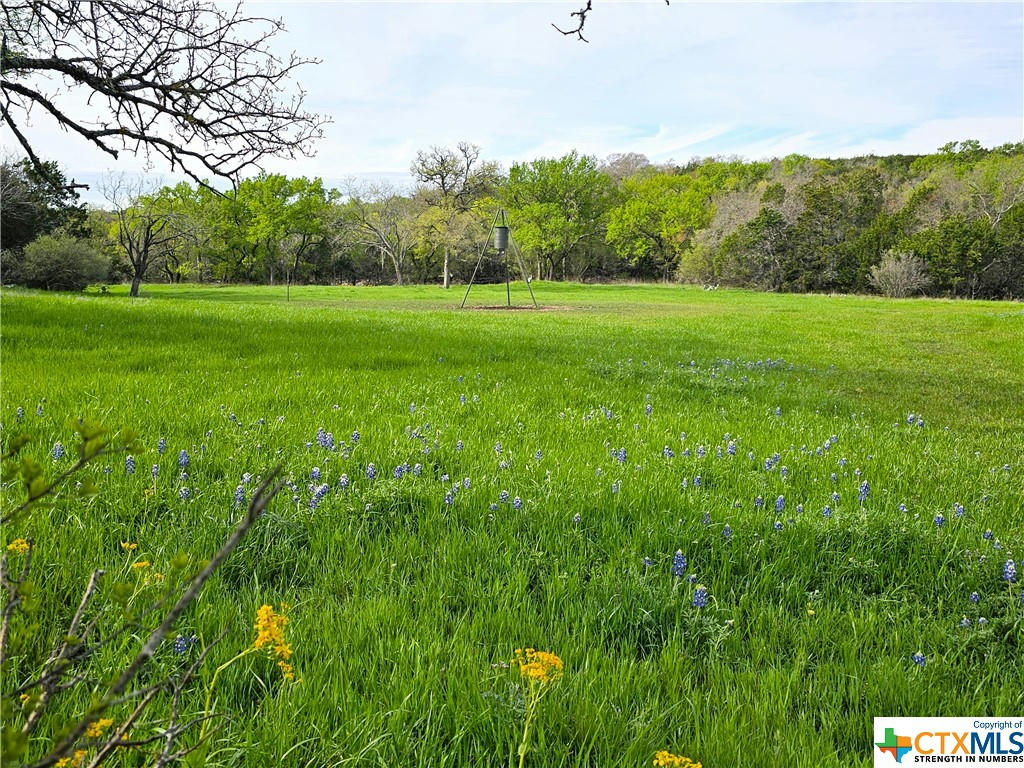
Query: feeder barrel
[{"x": 501, "y": 238}]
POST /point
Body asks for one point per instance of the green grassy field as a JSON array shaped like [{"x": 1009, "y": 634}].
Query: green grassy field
[{"x": 623, "y": 423}]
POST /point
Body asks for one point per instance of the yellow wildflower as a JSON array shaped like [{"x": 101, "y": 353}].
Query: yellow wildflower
[
  {"x": 666, "y": 759},
  {"x": 129, "y": 546},
  {"x": 96, "y": 728},
  {"x": 24, "y": 697},
  {"x": 18, "y": 546},
  {"x": 270, "y": 632},
  {"x": 286, "y": 670},
  {"x": 539, "y": 666},
  {"x": 141, "y": 564},
  {"x": 75, "y": 760}
]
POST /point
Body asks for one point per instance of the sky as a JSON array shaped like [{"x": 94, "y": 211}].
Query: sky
[{"x": 757, "y": 80}]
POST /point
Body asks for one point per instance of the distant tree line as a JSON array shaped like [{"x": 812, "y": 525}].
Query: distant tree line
[{"x": 947, "y": 224}]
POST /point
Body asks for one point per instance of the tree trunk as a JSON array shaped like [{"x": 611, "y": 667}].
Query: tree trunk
[
  {"x": 447, "y": 282},
  {"x": 136, "y": 282}
]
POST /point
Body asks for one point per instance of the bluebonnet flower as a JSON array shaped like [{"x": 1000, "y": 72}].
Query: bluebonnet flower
[
  {"x": 462, "y": 399},
  {"x": 799, "y": 508},
  {"x": 780, "y": 503},
  {"x": 939, "y": 521},
  {"x": 958, "y": 509},
  {"x": 239, "y": 495},
  {"x": 459, "y": 446},
  {"x": 701, "y": 452},
  {"x": 731, "y": 448},
  {"x": 399, "y": 471},
  {"x": 129, "y": 464},
  {"x": 667, "y": 452},
  {"x": 827, "y": 511},
  {"x": 417, "y": 469},
  {"x": 919, "y": 659},
  {"x": 648, "y": 408},
  {"x": 700, "y": 597},
  {"x": 183, "y": 458},
  {"x": 705, "y": 518},
  {"x": 678, "y": 563},
  {"x": 857, "y": 472},
  {"x": 39, "y": 410},
  {"x": 835, "y": 478},
  {"x": 517, "y": 503},
  {"x": 314, "y": 474},
  {"x": 758, "y": 502},
  {"x": 784, "y": 471},
  {"x": 445, "y": 478},
  {"x": 911, "y": 418},
  {"x": 465, "y": 483},
  {"x": 965, "y": 622},
  {"x": 154, "y": 470},
  {"x": 778, "y": 411},
  {"x": 19, "y": 414},
  {"x": 697, "y": 482},
  {"x": 449, "y": 499},
  {"x": 1010, "y": 571},
  {"x": 598, "y": 471},
  {"x": 903, "y": 507},
  {"x": 975, "y": 597},
  {"x": 161, "y": 446},
  {"x": 371, "y": 472},
  {"x": 493, "y": 507},
  {"x": 621, "y": 455},
  {"x": 577, "y": 518},
  {"x": 778, "y": 525},
  {"x": 318, "y": 494},
  {"x": 920, "y": 421},
  {"x": 497, "y": 448},
  {"x": 106, "y": 471},
  {"x": 865, "y": 489},
  {"x": 412, "y": 407},
  {"x": 538, "y": 455},
  {"x": 246, "y": 477},
  {"x": 615, "y": 487},
  {"x": 842, "y": 462},
  {"x": 648, "y": 563},
  {"x": 355, "y": 436},
  {"x": 232, "y": 417},
  {"x": 727, "y": 532},
  {"x": 692, "y": 578},
  {"x": 343, "y": 482},
  {"x": 718, "y": 452},
  {"x": 982, "y": 621},
  {"x": 182, "y": 643},
  {"x": 183, "y": 493},
  {"x": 987, "y": 535},
  {"x": 503, "y": 497},
  {"x": 835, "y": 498},
  {"x": 503, "y": 464},
  {"x": 58, "y": 451}
]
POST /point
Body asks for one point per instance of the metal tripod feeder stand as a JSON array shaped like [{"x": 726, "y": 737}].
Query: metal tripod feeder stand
[{"x": 504, "y": 244}]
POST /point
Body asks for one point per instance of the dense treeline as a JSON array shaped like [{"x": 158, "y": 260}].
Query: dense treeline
[{"x": 949, "y": 223}]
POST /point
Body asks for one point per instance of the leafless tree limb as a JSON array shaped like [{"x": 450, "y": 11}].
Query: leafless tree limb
[
  {"x": 581, "y": 20},
  {"x": 185, "y": 80}
]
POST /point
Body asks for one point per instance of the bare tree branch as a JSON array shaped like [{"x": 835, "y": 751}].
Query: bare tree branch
[{"x": 185, "y": 80}]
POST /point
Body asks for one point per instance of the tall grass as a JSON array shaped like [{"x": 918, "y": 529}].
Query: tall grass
[{"x": 409, "y": 597}]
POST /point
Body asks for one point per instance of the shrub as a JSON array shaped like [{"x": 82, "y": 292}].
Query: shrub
[
  {"x": 61, "y": 263},
  {"x": 900, "y": 274}
]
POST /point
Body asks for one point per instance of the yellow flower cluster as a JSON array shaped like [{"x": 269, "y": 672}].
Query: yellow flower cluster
[
  {"x": 97, "y": 727},
  {"x": 76, "y": 760},
  {"x": 668, "y": 760},
  {"x": 129, "y": 546},
  {"x": 141, "y": 564},
  {"x": 270, "y": 635},
  {"x": 539, "y": 666},
  {"x": 18, "y": 546}
]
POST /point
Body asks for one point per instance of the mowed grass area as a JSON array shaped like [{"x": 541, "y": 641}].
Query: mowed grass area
[{"x": 622, "y": 423}]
